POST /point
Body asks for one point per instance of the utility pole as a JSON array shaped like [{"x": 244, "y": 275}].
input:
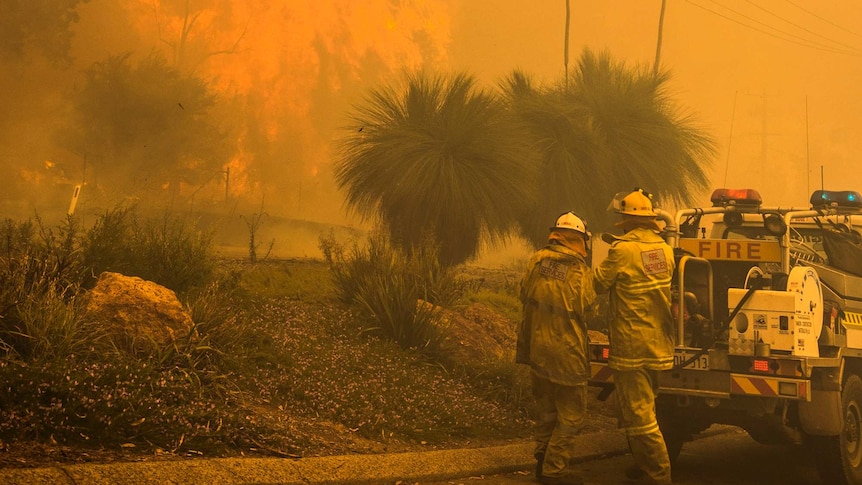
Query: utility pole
[
  {"x": 807, "y": 152},
  {"x": 730, "y": 137},
  {"x": 658, "y": 43},
  {"x": 227, "y": 184},
  {"x": 566, "y": 46},
  {"x": 764, "y": 143}
]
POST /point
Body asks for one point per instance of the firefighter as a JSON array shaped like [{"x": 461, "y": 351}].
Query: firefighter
[
  {"x": 557, "y": 292},
  {"x": 637, "y": 275}
]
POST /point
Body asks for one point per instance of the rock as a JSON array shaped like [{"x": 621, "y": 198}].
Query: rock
[
  {"x": 476, "y": 333},
  {"x": 138, "y": 315}
]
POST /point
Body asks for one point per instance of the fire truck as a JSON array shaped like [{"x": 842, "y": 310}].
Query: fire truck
[{"x": 768, "y": 322}]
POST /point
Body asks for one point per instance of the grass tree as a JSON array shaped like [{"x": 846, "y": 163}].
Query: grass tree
[
  {"x": 436, "y": 157},
  {"x": 610, "y": 128}
]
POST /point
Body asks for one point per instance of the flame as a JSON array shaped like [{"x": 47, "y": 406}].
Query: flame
[
  {"x": 236, "y": 173},
  {"x": 295, "y": 66},
  {"x": 31, "y": 177},
  {"x": 279, "y": 49}
]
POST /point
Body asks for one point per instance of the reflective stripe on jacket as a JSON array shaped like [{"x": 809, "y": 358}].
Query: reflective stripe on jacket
[
  {"x": 557, "y": 293},
  {"x": 637, "y": 273}
]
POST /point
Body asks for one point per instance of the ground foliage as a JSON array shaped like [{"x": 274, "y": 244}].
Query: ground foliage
[
  {"x": 281, "y": 367},
  {"x": 311, "y": 383}
]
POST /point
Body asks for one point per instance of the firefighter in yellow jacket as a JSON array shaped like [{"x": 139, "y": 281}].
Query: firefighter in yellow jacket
[
  {"x": 637, "y": 275},
  {"x": 557, "y": 292}
]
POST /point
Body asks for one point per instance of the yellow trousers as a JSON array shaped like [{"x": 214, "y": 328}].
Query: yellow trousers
[
  {"x": 635, "y": 393},
  {"x": 560, "y": 417}
]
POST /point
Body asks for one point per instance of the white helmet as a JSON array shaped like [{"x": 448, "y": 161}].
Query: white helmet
[{"x": 570, "y": 221}]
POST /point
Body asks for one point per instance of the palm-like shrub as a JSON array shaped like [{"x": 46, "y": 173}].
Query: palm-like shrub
[
  {"x": 608, "y": 128},
  {"x": 437, "y": 158}
]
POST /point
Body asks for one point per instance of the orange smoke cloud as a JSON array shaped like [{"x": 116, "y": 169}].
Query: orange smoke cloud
[{"x": 299, "y": 63}]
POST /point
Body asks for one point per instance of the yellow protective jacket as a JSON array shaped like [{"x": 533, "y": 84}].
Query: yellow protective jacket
[
  {"x": 637, "y": 273},
  {"x": 557, "y": 293}
]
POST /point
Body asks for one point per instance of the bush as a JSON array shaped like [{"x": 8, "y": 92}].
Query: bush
[
  {"x": 395, "y": 293},
  {"x": 62, "y": 380},
  {"x": 35, "y": 258},
  {"x": 223, "y": 337},
  {"x": 40, "y": 272},
  {"x": 171, "y": 251},
  {"x": 49, "y": 329},
  {"x": 43, "y": 269}
]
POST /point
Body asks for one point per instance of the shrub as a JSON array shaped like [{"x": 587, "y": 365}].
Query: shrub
[
  {"x": 393, "y": 303},
  {"x": 440, "y": 282},
  {"x": 49, "y": 328},
  {"x": 106, "y": 244},
  {"x": 171, "y": 251},
  {"x": 391, "y": 288},
  {"x": 222, "y": 338},
  {"x": 40, "y": 272},
  {"x": 36, "y": 258}
]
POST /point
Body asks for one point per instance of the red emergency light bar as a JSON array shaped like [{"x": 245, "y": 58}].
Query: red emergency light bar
[
  {"x": 743, "y": 197},
  {"x": 836, "y": 198}
]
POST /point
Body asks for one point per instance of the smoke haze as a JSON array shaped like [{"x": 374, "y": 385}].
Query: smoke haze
[{"x": 774, "y": 83}]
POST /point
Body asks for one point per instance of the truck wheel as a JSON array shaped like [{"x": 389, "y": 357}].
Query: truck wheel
[
  {"x": 675, "y": 430},
  {"x": 839, "y": 458},
  {"x": 673, "y": 440}
]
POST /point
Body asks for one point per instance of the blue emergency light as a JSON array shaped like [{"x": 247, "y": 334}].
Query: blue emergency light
[{"x": 848, "y": 199}]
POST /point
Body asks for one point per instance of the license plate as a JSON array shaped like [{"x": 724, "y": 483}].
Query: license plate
[{"x": 700, "y": 363}]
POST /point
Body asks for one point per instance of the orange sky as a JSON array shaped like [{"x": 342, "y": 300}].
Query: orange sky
[{"x": 716, "y": 62}]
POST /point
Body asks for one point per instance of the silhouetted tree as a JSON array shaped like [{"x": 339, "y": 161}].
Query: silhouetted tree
[
  {"x": 609, "y": 129},
  {"x": 435, "y": 158},
  {"x": 37, "y": 26},
  {"x": 147, "y": 126},
  {"x": 35, "y": 38}
]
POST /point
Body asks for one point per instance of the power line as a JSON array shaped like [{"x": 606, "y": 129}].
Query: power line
[
  {"x": 801, "y": 27},
  {"x": 807, "y": 43},
  {"x": 814, "y": 43},
  {"x": 823, "y": 19}
]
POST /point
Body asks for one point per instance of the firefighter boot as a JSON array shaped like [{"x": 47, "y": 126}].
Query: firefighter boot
[
  {"x": 636, "y": 476},
  {"x": 540, "y": 460}
]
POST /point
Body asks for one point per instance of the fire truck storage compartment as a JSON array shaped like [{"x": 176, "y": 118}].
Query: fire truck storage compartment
[
  {"x": 784, "y": 321},
  {"x": 838, "y": 286}
]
